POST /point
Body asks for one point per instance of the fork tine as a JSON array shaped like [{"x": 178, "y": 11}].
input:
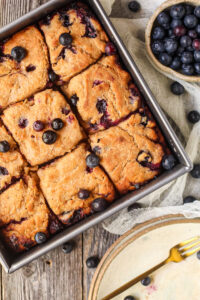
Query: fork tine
[
  {"x": 189, "y": 247},
  {"x": 187, "y": 242},
  {"x": 191, "y": 252}
]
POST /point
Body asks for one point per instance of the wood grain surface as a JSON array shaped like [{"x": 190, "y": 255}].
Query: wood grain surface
[{"x": 55, "y": 276}]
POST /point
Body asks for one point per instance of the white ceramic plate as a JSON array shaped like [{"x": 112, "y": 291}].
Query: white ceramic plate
[{"x": 142, "y": 248}]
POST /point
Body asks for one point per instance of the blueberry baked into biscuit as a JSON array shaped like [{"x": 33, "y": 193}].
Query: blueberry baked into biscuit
[
  {"x": 25, "y": 219},
  {"x": 75, "y": 39},
  {"x": 103, "y": 95},
  {"x": 43, "y": 126},
  {"x": 75, "y": 185},
  {"x": 23, "y": 66}
]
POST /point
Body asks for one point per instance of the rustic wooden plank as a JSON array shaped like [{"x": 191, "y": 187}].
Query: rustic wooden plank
[
  {"x": 96, "y": 241},
  {"x": 53, "y": 276}
]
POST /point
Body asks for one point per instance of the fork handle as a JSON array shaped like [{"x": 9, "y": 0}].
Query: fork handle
[{"x": 134, "y": 281}]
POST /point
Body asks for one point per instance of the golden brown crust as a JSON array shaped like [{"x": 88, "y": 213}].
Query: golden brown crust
[
  {"x": 130, "y": 153},
  {"x": 84, "y": 50},
  {"x": 63, "y": 179},
  {"x": 46, "y": 106},
  {"x": 11, "y": 162},
  {"x": 16, "y": 81},
  {"x": 106, "y": 94}
]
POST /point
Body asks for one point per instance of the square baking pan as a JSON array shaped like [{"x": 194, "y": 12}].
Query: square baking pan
[{"x": 11, "y": 262}]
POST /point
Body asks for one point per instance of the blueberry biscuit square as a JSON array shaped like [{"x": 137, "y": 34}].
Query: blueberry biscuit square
[
  {"x": 24, "y": 215},
  {"x": 70, "y": 186},
  {"x": 11, "y": 161},
  {"x": 44, "y": 126},
  {"x": 75, "y": 39},
  {"x": 104, "y": 94},
  {"x": 131, "y": 152},
  {"x": 23, "y": 66}
]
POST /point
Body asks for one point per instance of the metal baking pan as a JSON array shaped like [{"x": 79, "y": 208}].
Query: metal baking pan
[{"x": 12, "y": 263}]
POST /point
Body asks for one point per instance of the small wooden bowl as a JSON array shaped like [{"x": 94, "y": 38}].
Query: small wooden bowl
[{"x": 148, "y": 31}]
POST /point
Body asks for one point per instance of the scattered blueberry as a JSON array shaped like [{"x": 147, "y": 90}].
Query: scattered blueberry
[
  {"x": 179, "y": 31},
  {"x": 187, "y": 69},
  {"x": 170, "y": 45},
  {"x": 49, "y": 137},
  {"x": 4, "y": 146},
  {"x": 175, "y": 22},
  {"x": 65, "y": 111},
  {"x": 101, "y": 106},
  {"x": 22, "y": 123},
  {"x": 40, "y": 237},
  {"x": 129, "y": 298},
  {"x": 165, "y": 59},
  {"x": 197, "y": 68},
  {"x": 99, "y": 204},
  {"x": 3, "y": 171},
  {"x": 171, "y": 33},
  {"x": 92, "y": 160},
  {"x": 193, "y": 116},
  {"x": 84, "y": 194},
  {"x": 146, "y": 281},
  {"x": 134, "y": 206},
  {"x": 158, "y": 33},
  {"x": 177, "y": 11},
  {"x": 92, "y": 262},
  {"x": 185, "y": 41},
  {"x": 190, "y": 21},
  {"x": 197, "y": 56},
  {"x": 52, "y": 76},
  {"x": 157, "y": 47},
  {"x": 177, "y": 88},
  {"x": 65, "y": 39},
  {"x": 110, "y": 49},
  {"x": 187, "y": 57},
  {"x": 192, "y": 34},
  {"x": 134, "y": 6},
  {"x": 18, "y": 53},
  {"x": 30, "y": 68},
  {"x": 163, "y": 18},
  {"x": 196, "y": 44},
  {"x": 176, "y": 63},
  {"x": 57, "y": 124},
  {"x": 195, "y": 173},
  {"x": 197, "y": 11},
  {"x": 168, "y": 162},
  {"x": 74, "y": 99},
  {"x": 188, "y": 199},
  {"x": 68, "y": 247},
  {"x": 38, "y": 125}
]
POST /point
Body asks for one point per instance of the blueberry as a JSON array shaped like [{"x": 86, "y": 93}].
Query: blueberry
[
  {"x": 83, "y": 194},
  {"x": 175, "y": 22},
  {"x": 52, "y": 76},
  {"x": 163, "y": 18},
  {"x": 190, "y": 49},
  {"x": 134, "y": 206},
  {"x": 158, "y": 33},
  {"x": 187, "y": 69},
  {"x": 68, "y": 247},
  {"x": 196, "y": 44},
  {"x": 176, "y": 63},
  {"x": 192, "y": 34},
  {"x": 38, "y": 125},
  {"x": 165, "y": 59},
  {"x": 157, "y": 47},
  {"x": 57, "y": 124},
  {"x": 92, "y": 160},
  {"x": 197, "y": 68},
  {"x": 177, "y": 88},
  {"x": 134, "y": 6},
  {"x": 179, "y": 31},
  {"x": 99, "y": 204},
  {"x": 197, "y": 11},
  {"x": 23, "y": 123},
  {"x": 3, "y": 171},
  {"x": 197, "y": 55},
  {"x": 40, "y": 237},
  {"x": 4, "y": 146},
  {"x": 180, "y": 50},
  {"x": 170, "y": 45},
  {"x": 193, "y": 116},
  {"x": 198, "y": 254},
  {"x": 18, "y": 53},
  {"x": 168, "y": 162},
  {"x": 166, "y": 26},
  {"x": 185, "y": 41},
  {"x": 101, "y": 106},
  {"x": 171, "y": 33},
  {"x": 177, "y": 11},
  {"x": 129, "y": 298},
  {"x": 188, "y": 199},
  {"x": 110, "y": 49},
  {"x": 195, "y": 173},
  {"x": 49, "y": 137},
  {"x": 189, "y": 9},
  {"x": 74, "y": 99},
  {"x": 65, "y": 39},
  {"x": 190, "y": 21},
  {"x": 92, "y": 262},
  {"x": 146, "y": 281},
  {"x": 187, "y": 57},
  {"x": 197, "y": 30}
]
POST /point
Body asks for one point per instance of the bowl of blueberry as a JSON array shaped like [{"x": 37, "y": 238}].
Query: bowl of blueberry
[{"x": 173, "y": 39}]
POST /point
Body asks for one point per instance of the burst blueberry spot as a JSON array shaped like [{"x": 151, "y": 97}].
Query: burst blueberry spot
[{"x": 23, "y": 123}]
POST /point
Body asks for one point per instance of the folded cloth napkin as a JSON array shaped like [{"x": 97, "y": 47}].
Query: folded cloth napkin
[{"x": 168, "y": 199}]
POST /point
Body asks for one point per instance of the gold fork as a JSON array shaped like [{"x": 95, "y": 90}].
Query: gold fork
[{"x": 177, "y": 254}]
